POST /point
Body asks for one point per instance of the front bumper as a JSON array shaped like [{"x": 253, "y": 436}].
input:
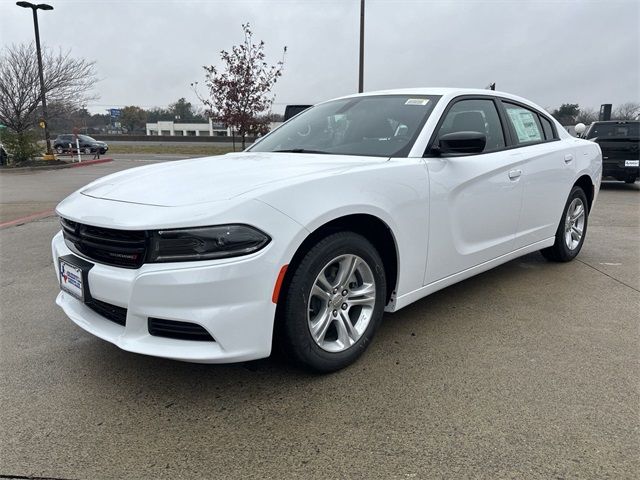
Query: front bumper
[{"x": 229, "y": 298}]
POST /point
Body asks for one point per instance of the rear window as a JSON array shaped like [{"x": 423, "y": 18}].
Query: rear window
[{"x": 614, "y": 130}]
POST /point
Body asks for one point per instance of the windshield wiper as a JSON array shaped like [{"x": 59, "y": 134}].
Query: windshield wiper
[{"x": 299, "y": 150}]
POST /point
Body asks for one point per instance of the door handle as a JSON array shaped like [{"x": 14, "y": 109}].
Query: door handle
[
  {"x": 515, "y": 174},
  {"x": 568, "y": 158}
]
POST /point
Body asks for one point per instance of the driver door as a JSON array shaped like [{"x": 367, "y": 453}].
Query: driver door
[{"x": 475, "y": 199}]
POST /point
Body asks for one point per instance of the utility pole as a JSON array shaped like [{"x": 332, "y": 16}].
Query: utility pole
[
  {"x": 361, "y": 67},
  {"x": 35, "y": 8}
]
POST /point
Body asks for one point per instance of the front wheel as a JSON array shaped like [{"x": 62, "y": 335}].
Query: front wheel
[
  {"x": 572, "y": 229},
  {"x": 334, "y": 303}
]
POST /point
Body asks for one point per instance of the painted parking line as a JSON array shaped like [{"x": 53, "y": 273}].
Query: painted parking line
[{"x": 26, "y": 219}]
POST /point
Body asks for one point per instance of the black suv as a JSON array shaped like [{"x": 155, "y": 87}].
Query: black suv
[
  {"x": 87, "y": 144},
  {"x": 619, "y": 141}
]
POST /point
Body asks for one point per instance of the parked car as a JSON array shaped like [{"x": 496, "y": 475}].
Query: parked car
[
  {"x": 356, "y": 206},
  {"x": 67, "y": 143},
  {"x": 619, "y": 142}
]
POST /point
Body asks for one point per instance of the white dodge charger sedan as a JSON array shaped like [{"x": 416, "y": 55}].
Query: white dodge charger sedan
[{"x": 354, "y": 207}]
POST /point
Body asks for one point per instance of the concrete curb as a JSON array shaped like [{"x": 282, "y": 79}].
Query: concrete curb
[
  {"x": 86, "y": 163},
  {"x": 29, "y": 218}
]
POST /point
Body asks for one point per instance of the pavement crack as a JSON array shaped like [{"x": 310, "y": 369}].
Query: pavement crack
[
  {"x": 606, "y": 274},
  {"x": 30, "y": 477}
]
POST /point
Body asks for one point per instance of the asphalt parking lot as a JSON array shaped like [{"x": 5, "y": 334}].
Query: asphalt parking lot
[{"x": 527, "y": 371}]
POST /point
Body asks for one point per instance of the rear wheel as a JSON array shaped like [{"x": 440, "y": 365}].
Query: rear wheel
[
  {"x": 59, "y": 150},
  {"x": 572, "y": 229},
  {"x": 334, "y": 303}
]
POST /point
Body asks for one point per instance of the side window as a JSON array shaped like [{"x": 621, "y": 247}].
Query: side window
[
  {"x": 548, "y": 129},
  {"x": 475, "y": 116},
  {"x": 525, "y": 123}
]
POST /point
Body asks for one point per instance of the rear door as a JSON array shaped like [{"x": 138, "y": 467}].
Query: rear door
[
  {"x": 475, "y": 199},
  {"x": 548, "y": 168}
]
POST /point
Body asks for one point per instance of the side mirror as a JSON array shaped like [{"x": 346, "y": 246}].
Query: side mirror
[
  {"x": 579, "y": 129},
  {"x": 462, "y": 142}
]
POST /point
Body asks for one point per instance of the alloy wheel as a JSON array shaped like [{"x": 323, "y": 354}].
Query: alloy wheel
[
  {"x": 341, "y": 303},
  {"x": 574, "y": 224}
]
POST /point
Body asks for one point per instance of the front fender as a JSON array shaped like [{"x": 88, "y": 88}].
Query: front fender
[{"x": 396, "y": 192}]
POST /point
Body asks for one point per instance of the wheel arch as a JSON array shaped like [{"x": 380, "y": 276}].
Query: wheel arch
[
  {"x": 588, "y": 187},
  {"x": 369, "y": 226}
]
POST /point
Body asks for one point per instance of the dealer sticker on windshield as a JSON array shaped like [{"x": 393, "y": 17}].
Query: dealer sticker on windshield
[
  {"x": 417, "y": 101},
  {"x": 631, "y": 163}
]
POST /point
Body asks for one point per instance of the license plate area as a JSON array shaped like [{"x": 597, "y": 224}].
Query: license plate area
[
  {"x": 74, "y": 277},
  {"x": 632, "y": 163}
]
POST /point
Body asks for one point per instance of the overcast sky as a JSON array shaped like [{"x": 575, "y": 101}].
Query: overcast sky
[{"x": 552, "y": 52}]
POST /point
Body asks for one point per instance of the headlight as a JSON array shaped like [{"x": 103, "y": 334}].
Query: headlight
[{"x": 205, "y": 243}]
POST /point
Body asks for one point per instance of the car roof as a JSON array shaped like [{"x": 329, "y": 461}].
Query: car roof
[{"x": 449, "y": 93}]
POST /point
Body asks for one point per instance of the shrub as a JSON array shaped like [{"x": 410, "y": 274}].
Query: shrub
[{"x": 21, "y": 147}]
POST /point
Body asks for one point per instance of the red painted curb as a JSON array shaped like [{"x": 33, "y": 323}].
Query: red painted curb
[
  {"x": 28, "y": 218},
  {"x": 86, "y": 163}
]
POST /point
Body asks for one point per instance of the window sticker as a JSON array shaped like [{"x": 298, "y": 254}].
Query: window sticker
[
  {"x": 525, "y": 124},
  {"x": 417, "y": 101}
]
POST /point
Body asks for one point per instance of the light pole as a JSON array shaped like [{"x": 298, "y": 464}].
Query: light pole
[
  {"x": 361, "y": 67},
  {"x": 35, "y": 8}
]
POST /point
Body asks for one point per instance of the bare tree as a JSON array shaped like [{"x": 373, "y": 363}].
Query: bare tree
[
  {"x": 67, "y": 81},
  {"x": 239, "y": 94},
  {"x": 587, "y": 115},
  {"x": 627, "y": 111}
]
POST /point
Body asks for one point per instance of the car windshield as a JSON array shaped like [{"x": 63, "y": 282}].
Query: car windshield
[
  {"x": 617, "y": 130},
  {"x": 377, "y": 125},
  {"x": 86, "y": 138}
]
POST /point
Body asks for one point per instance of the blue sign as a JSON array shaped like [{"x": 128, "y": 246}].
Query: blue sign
[{"x": 115, "y": 112}]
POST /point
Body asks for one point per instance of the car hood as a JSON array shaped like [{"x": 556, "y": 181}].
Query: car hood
[{"x": 211, "y": 179}]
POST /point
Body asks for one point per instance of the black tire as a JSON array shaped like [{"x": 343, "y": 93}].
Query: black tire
[
  {"x": 59, "y": 150},
  {"x": 630, "y": 180},
  {"x": 293, "y": 334},
  {"x": 560, "y": 251}
]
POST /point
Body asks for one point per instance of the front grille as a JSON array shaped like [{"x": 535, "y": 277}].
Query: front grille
[
  {"x": 178, "y": 330},
  {"x": 121, "y": 248},
  {"x": 110, "y": 312}
]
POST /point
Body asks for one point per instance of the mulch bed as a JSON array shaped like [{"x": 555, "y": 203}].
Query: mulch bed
[{"x": 34, "y": 163}]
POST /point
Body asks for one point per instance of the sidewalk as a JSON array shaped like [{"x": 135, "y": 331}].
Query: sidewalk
[{"x": 32, "y": 193}]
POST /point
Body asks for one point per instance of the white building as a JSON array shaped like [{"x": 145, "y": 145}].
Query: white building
[
  {"x": 211, "y": 129},
  {"x": 170, "y": 128}
]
